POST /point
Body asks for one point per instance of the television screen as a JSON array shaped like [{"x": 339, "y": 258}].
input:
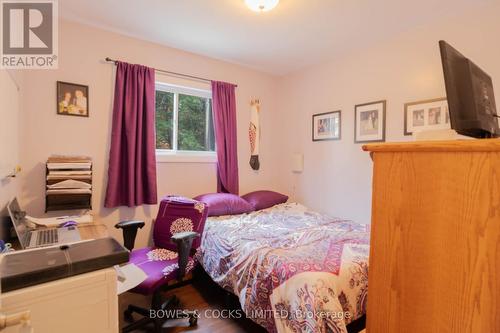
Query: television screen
[{"x": 470, "y": 95}]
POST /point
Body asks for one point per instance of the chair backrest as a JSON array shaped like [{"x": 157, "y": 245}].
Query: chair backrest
[{"x": 178, "y": 214}]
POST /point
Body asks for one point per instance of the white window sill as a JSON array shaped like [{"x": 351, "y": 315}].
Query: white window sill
[{"x": 185, "y": 157}]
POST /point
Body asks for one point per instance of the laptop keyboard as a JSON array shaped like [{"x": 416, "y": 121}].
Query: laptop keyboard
[
  {"x": 47, "y": 236},
  {"x": 28, "y": 239}
]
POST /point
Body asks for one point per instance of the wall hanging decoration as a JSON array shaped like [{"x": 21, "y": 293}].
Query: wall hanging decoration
[
  {"x": 254, "y": 133},
  {"x": 72, "y": 99},
  {"x": 326, "y": 126},
  {"x": 431, "y": 114},
  {"x": 369, "y": 122}
]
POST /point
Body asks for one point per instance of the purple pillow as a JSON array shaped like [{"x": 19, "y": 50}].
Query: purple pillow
[
  {"x": 224, "y": 204},
  {"x": 264, "y": 199}
]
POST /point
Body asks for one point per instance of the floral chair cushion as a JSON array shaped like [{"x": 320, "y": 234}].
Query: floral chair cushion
[{"x": 160, "y": 266}]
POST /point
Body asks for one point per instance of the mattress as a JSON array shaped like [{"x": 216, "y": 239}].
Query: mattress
[{"x": 293, "y": 270}]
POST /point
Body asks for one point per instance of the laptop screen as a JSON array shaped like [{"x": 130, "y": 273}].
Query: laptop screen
[{"x": 18, "y": 220}]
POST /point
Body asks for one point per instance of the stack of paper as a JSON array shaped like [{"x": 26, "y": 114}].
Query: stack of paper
[
  {"x": 68, "y": 159},
  {"x": 69, "y": 165},
  {"x": 65, "y": 176},
  {"x": 69, "y": 174},
  {"x": 70, "y": 191},
  {"x": 69, "y": 183}
]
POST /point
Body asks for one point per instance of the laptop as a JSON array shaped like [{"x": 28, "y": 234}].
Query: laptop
[{"x": 33, "y": 238}]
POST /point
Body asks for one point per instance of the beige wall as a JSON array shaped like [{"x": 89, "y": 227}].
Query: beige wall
[
  {"x": 9, "y": 187},
  {"x": 337, "y": 174},
  {"x": 81, "y": 53}
]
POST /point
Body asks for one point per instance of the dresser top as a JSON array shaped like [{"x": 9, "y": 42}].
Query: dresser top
[{"x": 482, "y": 145}]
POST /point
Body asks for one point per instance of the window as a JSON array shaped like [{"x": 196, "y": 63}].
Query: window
[{"x": 184, "y": 122}]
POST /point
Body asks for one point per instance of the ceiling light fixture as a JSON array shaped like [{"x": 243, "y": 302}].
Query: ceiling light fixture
[{"x": 261, "y": 5}]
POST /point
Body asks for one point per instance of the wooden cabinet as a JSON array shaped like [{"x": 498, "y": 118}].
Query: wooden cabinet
[{"x": 435, "y": 237}]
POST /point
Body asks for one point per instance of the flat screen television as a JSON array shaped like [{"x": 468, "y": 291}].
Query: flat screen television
[{"x": 471, "y": 100}]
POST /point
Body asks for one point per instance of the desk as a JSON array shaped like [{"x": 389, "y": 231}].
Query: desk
[
  {"x": 93, "y": 231},
  {"x": 78, "y": 304}
]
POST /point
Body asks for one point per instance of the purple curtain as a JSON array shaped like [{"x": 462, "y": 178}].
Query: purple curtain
[
  {"x": 132, "y": 160},
  {"x": 224, "y": 109}
]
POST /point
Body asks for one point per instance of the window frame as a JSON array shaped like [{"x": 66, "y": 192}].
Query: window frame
[{"x": 182, "y": 156}]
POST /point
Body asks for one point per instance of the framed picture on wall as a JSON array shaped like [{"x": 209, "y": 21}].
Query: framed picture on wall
[
  {"x": 326, "y": 126},
  {"x": 72, "y": 99},
  {"x": 431, "y": 114},
  {"x": 369, "y": 122}
]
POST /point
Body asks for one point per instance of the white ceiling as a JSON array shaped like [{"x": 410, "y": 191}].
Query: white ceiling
[{"x": 296, "y": 34}]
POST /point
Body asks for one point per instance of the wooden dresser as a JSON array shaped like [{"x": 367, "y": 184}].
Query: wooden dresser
[{"x": 435, "y": 241}]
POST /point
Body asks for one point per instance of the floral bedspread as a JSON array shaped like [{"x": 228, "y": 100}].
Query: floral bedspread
[{"x": 293, "y": 270}]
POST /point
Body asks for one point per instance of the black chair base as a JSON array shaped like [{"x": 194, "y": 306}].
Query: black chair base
[{"x": 156, "y": 305}]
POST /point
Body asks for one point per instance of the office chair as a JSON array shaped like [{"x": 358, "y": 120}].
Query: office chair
[{"x": 176, "y": 236}]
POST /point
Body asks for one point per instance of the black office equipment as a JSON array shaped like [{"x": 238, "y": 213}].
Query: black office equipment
[
  {"x": 27, "y": 268},
  {"x": 470, "y": 95}
]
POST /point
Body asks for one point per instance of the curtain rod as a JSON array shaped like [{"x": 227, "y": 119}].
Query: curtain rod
[{"x": 170, "y": 72}]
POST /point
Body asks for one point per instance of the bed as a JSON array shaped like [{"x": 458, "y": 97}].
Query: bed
[{"x": 293, "y": 270}]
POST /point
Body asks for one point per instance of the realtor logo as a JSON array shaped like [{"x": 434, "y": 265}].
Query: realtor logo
[{"x": 29, "y": 34}]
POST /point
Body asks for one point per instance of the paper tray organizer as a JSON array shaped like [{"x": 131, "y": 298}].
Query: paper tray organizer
[
  {"x": 27, "y": 268},
  {"x": 63, "y": 168}
]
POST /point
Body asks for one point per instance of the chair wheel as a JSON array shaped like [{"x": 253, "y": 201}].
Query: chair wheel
[
  {"x": 193, "y": 321},
  {"x": 127, "y": 315}
]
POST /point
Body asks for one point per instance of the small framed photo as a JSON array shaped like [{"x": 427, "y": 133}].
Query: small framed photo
[
  {"x": 72, "y": 99},
  {"x": 431, "y": 114},
  {"x": 369, "y": 122},
  {"x": 326, "y": 126}
]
